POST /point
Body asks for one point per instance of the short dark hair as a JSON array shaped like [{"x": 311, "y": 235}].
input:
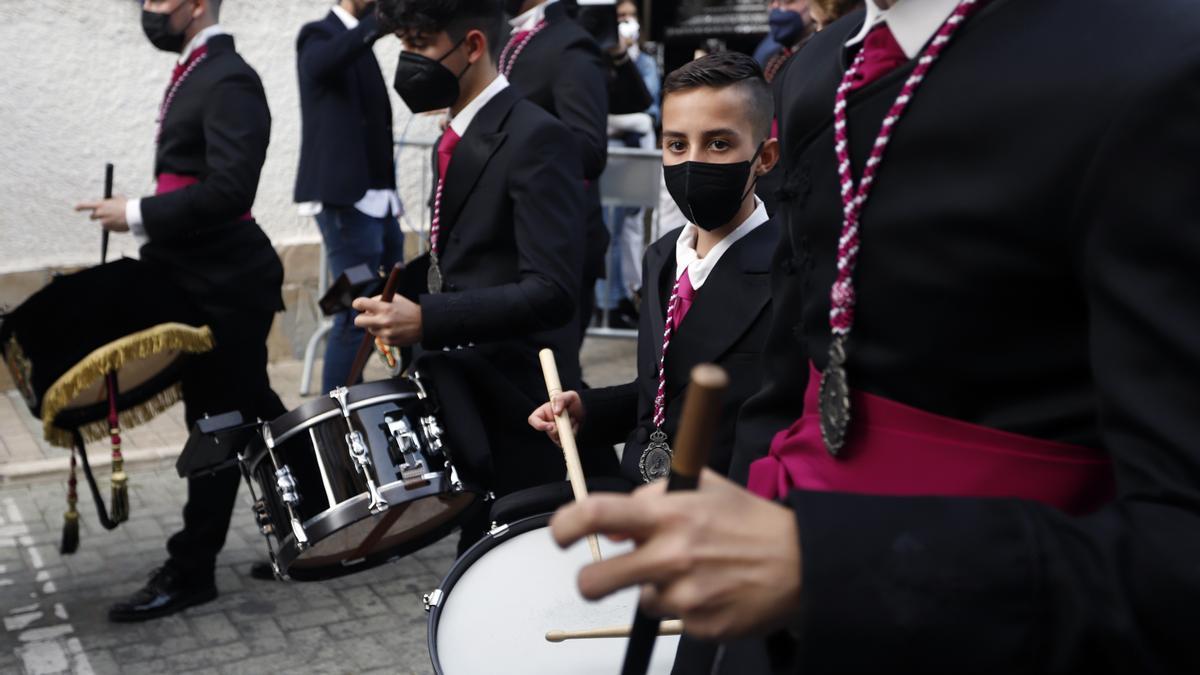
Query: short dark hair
[
  {"x": 728, "y": 69},
  {"x": 456, "y": 17}
]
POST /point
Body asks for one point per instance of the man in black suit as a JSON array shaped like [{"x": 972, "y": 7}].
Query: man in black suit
[
  {"x": 1025, "y": 273},
  {"x": 716, "y": 117},
  {"x": 347, "y": 174},
  {"x": 554, "y": 62},
  {"x": 501, "y": 281},
  {"x": 197, "y": 227}
]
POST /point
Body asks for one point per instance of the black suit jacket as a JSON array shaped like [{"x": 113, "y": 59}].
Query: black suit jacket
[
  {"x": 346, "y": 142},
  {"x": 216, "y": 130},
  {"x": 510, "y": 256},
  {"x": 1028, "y": 263},
  {"x": 562, "y": 70},
  {"x": 727, "y": 325}
]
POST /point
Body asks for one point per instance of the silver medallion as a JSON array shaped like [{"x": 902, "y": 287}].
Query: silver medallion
[
  {"x": 655, "y": 462},
  {"x": 434, "y": 276},
  {"x": 835, "y": 399}
]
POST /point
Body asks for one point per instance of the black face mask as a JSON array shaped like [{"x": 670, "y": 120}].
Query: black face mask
[
  {"x": 157, "y": 28},
  {"x": 424, "y": 84},
  {"x": 710, "y": 195}
]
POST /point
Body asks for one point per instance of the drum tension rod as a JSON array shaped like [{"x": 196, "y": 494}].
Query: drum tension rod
[{"x": 359, "y": 453}]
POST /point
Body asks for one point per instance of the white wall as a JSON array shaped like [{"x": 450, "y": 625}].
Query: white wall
[{"x": 80, "y": 86}]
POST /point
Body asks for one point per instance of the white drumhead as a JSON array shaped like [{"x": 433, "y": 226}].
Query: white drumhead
[{"x": 495, "y": 618}]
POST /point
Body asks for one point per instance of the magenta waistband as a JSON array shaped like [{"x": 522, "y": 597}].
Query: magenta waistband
[
  {"x": 170, "y": 182},
  {"x": 895, "y": 449}
]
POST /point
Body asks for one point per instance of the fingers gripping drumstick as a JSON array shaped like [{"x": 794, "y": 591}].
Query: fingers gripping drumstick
[
  {"x": 567, "y": 438},
  {"x": 697, "y": 426},
  {"x": 368, "y": 341}
]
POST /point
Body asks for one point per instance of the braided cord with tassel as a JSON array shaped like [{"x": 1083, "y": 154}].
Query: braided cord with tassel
[
  {"x": 120, "y": 481},
  {"x": 70, "y": 537}
]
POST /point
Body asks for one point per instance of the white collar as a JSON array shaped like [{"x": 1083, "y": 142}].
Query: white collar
[
  {"x": 347, "y": 18},
  {"x": 531, "y": 18},
  {"x": 199, "y": 40},
  {"x": 699, "y": 268},
  {"x": 912, "y": 22},
  {"x": 462, "y": 121}
]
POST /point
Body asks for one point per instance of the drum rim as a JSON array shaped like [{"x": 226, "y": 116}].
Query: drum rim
[
  {"x": 492, "y": 539},
  {"x": 318, "y": 410},
  {"x": 342, "y": 515}
]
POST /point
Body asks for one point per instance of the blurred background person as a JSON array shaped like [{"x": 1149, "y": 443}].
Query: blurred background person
[
  {"x": 825, "y": 12},
  {"x": 347, "y": 173},
  {"x": 618, "y": 293},
  {"x": 791, "y": 25}
]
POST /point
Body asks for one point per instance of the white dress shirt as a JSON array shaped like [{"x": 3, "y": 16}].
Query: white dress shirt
[
  {"x": 699, "y": 268},
  {"x": 133, "y": 207},
  {"x": 912, "y": 22},
  {"x": 460, "y": 122},
  {"x": 374, "y": 203},
  {"x": 528, "y": 20}
]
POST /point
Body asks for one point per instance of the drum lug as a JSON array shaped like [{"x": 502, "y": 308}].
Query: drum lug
[
  {"x": 456, "y": 485},
  {"x": 362, "y": 461},
  {"x": 498, "y": 531},
  {"x": 409, "y": 446},
  {"x": 263, "y": 518},
  {"x": 286, "y": 484},
  {"x": 433, "y": 434},
  {"x": 432, "y": 599}
]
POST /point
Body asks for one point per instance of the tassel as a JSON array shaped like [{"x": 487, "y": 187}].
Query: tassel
[
  {"x": 120, "y": 482},
  {"x": 70, "y": 538}
]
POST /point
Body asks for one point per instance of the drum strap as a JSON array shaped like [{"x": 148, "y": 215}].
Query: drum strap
[{"x": 101, "y": 511}]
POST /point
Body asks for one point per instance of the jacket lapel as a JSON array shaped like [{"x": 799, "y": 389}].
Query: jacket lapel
[
  {"x": 731, "y": 299},
  {"x": 483, "y": 138}
]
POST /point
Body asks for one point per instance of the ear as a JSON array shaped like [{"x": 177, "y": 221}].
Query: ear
[
  {"x": 769, "y": 157},
  {"x": 477, "y": 46}
]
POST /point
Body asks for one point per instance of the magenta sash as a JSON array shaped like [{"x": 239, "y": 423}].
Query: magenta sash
[
  {"x": 894, "y": 449},
  {"x": 170, "y": 182}
]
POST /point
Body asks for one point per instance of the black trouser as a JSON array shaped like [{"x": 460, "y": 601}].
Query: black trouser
[{"x": 231, "y": 377}]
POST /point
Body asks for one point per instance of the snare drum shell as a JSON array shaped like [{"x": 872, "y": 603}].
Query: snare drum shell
[{"x": 491, "y": 612}]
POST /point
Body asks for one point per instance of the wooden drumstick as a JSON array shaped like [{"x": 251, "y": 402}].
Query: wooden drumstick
[
  {"x": 566, "y": 437},
  {"x": 697, "y": 426},
  {"x": 672, "y": 627},
  {"x": 368, "y": 341}
]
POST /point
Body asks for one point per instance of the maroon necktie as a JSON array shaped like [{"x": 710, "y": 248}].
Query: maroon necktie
[
  {"x": 446, "y": 149},
  {"x": 686, "y": 294},
  {"x": 881, "y": 55}
]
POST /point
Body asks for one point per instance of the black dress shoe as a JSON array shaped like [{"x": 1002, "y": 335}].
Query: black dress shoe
[
  {"x": 167, "y": 592},
  {"x": 263, "y": 571}
]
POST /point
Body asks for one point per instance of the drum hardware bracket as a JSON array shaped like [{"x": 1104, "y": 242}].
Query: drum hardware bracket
[
  {"x": 498, "y": 531},
  {"x": 262, "y": 517},
  {"x": 433, "y": 433},
  {"x": 409, "y": 446},
  {"x": 455, "y": 484},
  {"x": 359, "y": 453},
  {"x": 432, "y": 599},
  {"x": 286, "y": 484},
  {"x": 269, "y": 528}
]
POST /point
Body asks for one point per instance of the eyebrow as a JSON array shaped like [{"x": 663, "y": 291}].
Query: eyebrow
[{"x": 708, "y": 133}]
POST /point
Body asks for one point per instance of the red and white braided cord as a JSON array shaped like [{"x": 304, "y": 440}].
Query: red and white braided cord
[
  {"x": 199, "y": 56},
  {"x": 516, "y": 45},
  {"x": 660, "y": 399},
  {"x": 841, "y": 312}
]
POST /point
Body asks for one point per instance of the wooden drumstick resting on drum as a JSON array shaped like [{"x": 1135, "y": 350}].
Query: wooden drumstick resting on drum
[
  {"x": 701, "y": 410},
  {"x": 672, "y": 627},
  {"x": 368, "y": 341},
  {"x": 566, "y": 437}
]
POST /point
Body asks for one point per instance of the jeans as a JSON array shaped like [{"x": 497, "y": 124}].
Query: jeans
[{"x": 353, "y": 238}]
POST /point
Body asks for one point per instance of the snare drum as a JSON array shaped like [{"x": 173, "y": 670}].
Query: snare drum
[
  {"x": 495, "y": 606},
  {"x": 355, "y": 479}
]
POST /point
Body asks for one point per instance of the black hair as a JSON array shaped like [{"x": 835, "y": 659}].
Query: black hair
[
  {"x": 456, "y": 17},
  {"x": 728, "y": 69}
]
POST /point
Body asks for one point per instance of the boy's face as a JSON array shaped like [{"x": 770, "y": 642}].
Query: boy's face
[{"x": 707, "y": 125}]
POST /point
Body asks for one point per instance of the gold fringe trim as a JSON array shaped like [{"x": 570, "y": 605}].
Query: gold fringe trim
[{"x": 169, "y": 336}]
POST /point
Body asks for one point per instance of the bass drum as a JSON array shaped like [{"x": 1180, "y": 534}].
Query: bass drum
[{"x": 499, "y": 600}]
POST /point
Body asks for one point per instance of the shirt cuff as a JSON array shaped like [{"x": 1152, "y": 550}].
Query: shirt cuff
[{"x": 133, "y": 217}]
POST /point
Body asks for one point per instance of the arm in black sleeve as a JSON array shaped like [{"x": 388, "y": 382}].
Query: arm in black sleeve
[
  {"x": 610, "y": 413},
  {"x": 547, "y": 196},
  {"x": 944, "y": 585},
  {"x": 581, "y": 101},
  {"x": 322, "y": 56},
  {"x": 237, "y": 129}
]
